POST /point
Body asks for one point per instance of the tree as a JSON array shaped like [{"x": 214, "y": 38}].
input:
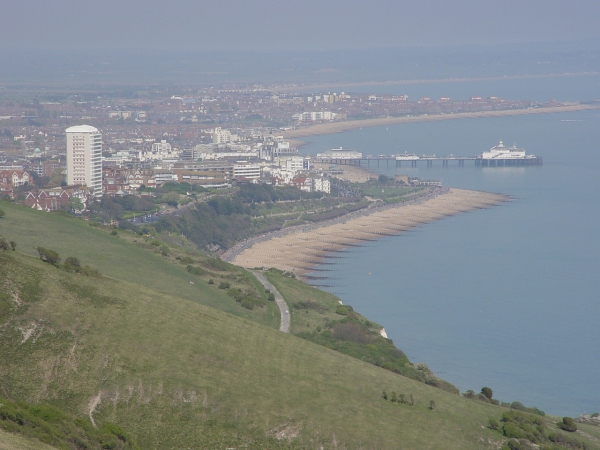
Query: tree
[
  {"x": 487, "y": 392},
  {"x": 72, "y": 263},
  {"x": 49, "y": 256},
  {"x": 432, "y": 405},
  {"x": 75, "y": 204},
  {"x": 13, "y": 245},
  {"x": 567, "y": 424},
  {"x": 1, "y": 213}
]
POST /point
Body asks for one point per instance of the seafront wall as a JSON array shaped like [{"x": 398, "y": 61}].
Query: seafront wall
[{"x": 301, "y": 249}]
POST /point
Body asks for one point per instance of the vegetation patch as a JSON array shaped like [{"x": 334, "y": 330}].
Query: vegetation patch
[
  {"x": 307, "y": 304},
  {"x": 527, "y": 431},
  {"x": 351, "y": 336},
  {"x": 52, "y": 426},
  {"x": 90, "y": 293}
]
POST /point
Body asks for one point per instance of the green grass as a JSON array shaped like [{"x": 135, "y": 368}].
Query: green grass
[
  {"x": 121, "y": 258},
  {"x": 12, "y": 441},
  {"x": 177, "y": 374},
  {"x": 52, "y": 426},
  {"x": 309, "y": 307}
]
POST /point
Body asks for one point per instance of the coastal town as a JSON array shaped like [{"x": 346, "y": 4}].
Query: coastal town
[{"x": 205, "y": 138}]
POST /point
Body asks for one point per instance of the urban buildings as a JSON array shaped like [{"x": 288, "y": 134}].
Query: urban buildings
[{"x": 84, "y": 158}]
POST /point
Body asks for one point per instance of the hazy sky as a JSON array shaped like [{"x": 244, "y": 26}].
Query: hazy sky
[{"x": 298, "y": 24}]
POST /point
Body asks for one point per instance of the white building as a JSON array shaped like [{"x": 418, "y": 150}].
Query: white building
[
  {"x": 322, "y": 185},
  {"x": 340, "y": 153},
  {"x": 161, "y": 149},
  {"x": 221, "y": 136},
  {"x": 84, "y": 158},
  {"x": 313, "y": 116},
  {"x": 297, "y": 163},
  {"x": 246, "y": 170}
]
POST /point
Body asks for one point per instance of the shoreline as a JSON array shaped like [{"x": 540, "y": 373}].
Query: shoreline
[
  {"x": 300, "y": 250},
  {"x": 339, "y": 127}
]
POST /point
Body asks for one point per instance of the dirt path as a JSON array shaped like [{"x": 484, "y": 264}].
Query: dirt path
[{"x": 283, "y": 307}]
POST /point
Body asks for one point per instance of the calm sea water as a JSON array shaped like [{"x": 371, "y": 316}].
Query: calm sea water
[{"x": 507, "y": 297}]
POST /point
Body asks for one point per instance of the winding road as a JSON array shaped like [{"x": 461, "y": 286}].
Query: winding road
[{"x": 283, "y": 307}]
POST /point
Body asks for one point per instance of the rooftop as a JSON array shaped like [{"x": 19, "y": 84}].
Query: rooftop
[{"x": 81, "y": 129}]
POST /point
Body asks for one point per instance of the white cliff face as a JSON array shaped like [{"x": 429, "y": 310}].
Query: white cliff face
[{"x": 383, "y": 333}]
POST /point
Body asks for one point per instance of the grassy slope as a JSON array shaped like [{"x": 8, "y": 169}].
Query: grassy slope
[
  {"x": 175, "y": 373},
  {"x": 10, "y": 441},
  {"x": 117, "y": 258}
]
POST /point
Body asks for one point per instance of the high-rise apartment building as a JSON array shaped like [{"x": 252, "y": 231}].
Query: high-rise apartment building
[{"x": 84, "y": 158}]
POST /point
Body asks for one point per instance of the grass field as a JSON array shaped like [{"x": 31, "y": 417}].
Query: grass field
[
  {"x": 125, "y": 256},
  {"x": 175, "y": 373},
  {"x": 11, "y": 441}
]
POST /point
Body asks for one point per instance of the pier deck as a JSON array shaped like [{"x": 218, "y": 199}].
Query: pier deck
[{"x": 429, "y": 160}]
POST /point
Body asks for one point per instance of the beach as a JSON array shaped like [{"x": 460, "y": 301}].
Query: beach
[
  {"x": 302, "y": 249},
  {"x": 339, "y": 127}
]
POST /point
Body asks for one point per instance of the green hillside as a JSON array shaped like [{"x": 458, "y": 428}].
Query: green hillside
[
  {"x": 127, "y": 256},
  {"x": 175, "y": 373}
]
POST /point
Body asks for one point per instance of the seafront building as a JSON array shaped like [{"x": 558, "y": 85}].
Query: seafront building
[
  {"x": 340, "y": 153},
  {"x": 84, "y": 158}
]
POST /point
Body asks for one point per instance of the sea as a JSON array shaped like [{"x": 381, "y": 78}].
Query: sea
[{"x": 507, "y": 297}]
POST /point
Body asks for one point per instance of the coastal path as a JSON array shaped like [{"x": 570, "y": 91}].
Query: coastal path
[{"x": 283, "y": 307}]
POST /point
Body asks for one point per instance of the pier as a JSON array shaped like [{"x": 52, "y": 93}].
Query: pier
[{"x": 404, "y": 161}]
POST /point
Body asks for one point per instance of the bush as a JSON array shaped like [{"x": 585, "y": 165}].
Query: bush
[
  {"x": 13, "y": 245},
  {"x": 512, "y": 444},
  {"x": 155, "y": 242},
  {"x": 211, "y": 281},
  {"x": 49, "y": 256},
  {"x": 343, "y": 310},
  {"x": 487, "y": 392},
  {"x": 224, "y": 285},
  {"x": 247, "y": 304},
  {"x": 2, "y": 213},
  {"x": 114, "y": 233},
  {"x": 4, "y": 245},
  {"x": 309, "y": 304},
  {"x": 71, "y": 263},
  {"x": 351, "y": 332},
  {"x": 216, "y": 264},
  {"x": 185, "y": 260},
  {"x": 197, "y": 271},
  {"x": 567, "y": 424},
  {"x": 271, "y": 297},
  {"x": 493, "y": 424}
]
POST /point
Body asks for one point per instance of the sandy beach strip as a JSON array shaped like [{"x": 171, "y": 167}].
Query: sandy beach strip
[
  {"x": 339, "y": 127},
  {"x": 303, "y": 249}
]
